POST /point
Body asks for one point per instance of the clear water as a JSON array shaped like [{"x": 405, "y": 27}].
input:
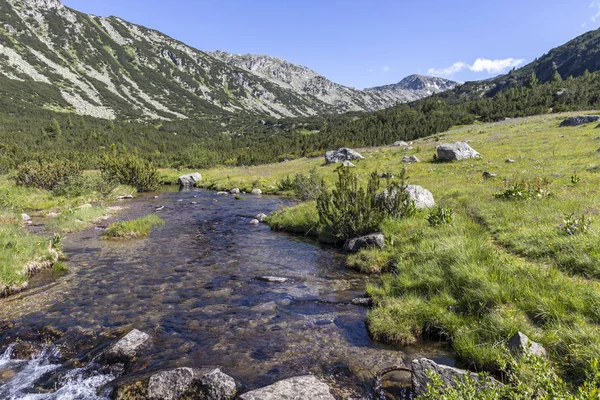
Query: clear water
[{"x": 192, "y": 286}]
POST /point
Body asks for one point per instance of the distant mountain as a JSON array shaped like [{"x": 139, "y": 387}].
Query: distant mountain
[
  {"x": 59, "y": 59},
  {"x": 416, "y": 87}
]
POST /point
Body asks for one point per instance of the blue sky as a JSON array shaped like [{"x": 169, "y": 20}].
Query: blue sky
[{"x": 365, "y": 43}]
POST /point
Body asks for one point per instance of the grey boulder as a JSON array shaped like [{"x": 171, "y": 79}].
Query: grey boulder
[
  {"x": 520, "y": 344},
  {"x": 256, "y": 192},
  {"x": 189, "y": 180},
  {"x": 410, "y": 159},
  {"x": 356, "y": 244},
  {"x": 298, "y": 388},
  {"x": 455, "y": 152},
  {"x": 261, "y": 217},
  {"x": 448, "y": 375},
  {"x": 235, "y": 191},
  {"x": 126, "y": 348},
  {"x": 580, "y": 120},
  {"x": 400, "y": 143},
  {"x": 341, "y": 155},
  {"x": 421, "y": 197},
  {"x": 348, "y": 164}
]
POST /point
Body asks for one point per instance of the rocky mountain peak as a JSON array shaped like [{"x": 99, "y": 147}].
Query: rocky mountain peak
[{"x": 42, "y": 4}]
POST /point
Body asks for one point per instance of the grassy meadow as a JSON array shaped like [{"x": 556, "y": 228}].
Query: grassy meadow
[{"x": 503, "y": 265}]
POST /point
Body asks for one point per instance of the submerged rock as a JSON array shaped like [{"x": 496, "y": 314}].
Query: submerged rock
[
  {"x": 254, "y": 222},
  {"x": 261, "y": 217},
  {"x": 273, "y": 279},
  {"x": 299, "y": 388},
  {"x": 580, "y": 120},
  {"x": 356, "y": 244},
  {"x": 126, "y": 348},
  {"x": 520, "y": 344},
  {"x": 362, "y": 301},
  {"x": 455, "y": 152},
  {"x": 189, "y": 180},
  {"x": 26, "y": 351},
  {"x": 341, "y": 155},
  {"x": 448, "y": 375},
  {"x": 180, "y": 383}
]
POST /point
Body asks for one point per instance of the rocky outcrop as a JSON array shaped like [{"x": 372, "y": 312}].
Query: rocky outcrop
[
  {"x": 520, "y": 344},
  {"x": 299, "y": 388},
  {"x": 189, "y": 180},
  {"x": 410, "y": 159},
  {"x": 341, "y": 155},
  {"x": 126, "y": 349},
  {"x": 455, "y": 152},
  {"x": 356, "y": 244},
  {"x": 580, "y": 120},
  {"x": 448, "y": 375}
]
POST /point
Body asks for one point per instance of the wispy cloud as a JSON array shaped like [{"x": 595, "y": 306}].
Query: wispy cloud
[
  {"x": 480, "y": 65},
  {"x": 384, "y": 69},
  {"x": 595, "y": 6}
]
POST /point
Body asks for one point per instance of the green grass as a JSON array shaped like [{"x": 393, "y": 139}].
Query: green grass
[
  {"x": 133, "y": 229},
  {"x": 502, "y": 266},
  {"x": 72, "y": 220},
  {"x": 20, "y": 254}
]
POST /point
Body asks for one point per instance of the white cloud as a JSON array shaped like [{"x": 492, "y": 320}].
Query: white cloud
[
  {"x": 595, "y": 5},
  {"x": 480, "y": 65}
]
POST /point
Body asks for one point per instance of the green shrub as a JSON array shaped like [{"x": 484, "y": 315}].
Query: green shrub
[
  {"x": 524, "y": 190},
  {"x": 130, "y": 169},
  {"x": 350, "y": 210},
  {"x": 440, "y": 215},
  {"x": 575, "y": 179},
  {"x": 47, "y": 175},
  {"x": 286, "y": 184},
  {"x": 308, "y": 187},
  {"x": 84, "y": 185}
]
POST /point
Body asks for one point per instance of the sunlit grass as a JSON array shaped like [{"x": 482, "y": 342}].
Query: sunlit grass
[{"x": 133, "y": 229}]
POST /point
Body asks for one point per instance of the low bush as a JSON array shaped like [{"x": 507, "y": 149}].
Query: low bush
[
  {"x": 47, "y": 174},
  {"x": 525, "y": 190},
  {"x": 349, "y": 210},
  {"x": 82, "y": 185},
  {"x": 308, "y": 187},
  {"x": 440, "y": 215},
  {"x": 130, "y": 169},
  {"x": 573, "y": 225},
  {"x": 133, "y": 229},
  {"x": 286, "y": 184}
]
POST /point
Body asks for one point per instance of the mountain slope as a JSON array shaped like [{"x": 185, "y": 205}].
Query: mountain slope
[{"x": 65, "y": 60}]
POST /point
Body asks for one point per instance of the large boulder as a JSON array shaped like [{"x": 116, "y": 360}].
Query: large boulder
[
  {"x": 189, "y": 180},
  {"x": 455, "y": 152},
  {"x": 180, "y": 383},
  {"x": 126, "y": 348},
  {"x": 256, "y": 192},
  {"x": 299, "y": 388},
  {"x": 341, "y": 155},
  {"x": 373, "y": 240},
  {"x": 520, "y": 344},
  {"x": 580, "y": 120},
  {"x": 400, "y": 143},
  {"x": 448, "y": 375},
  {"x": 421, "y": 197}
]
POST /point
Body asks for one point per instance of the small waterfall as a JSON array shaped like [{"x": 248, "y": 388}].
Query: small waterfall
[{"x": 77, "y": 384}]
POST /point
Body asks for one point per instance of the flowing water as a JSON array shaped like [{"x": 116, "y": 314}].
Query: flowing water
[{"x": 192, "y": 285}]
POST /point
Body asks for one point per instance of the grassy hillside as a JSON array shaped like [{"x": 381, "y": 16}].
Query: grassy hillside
[{"x": 503, "y": 265}]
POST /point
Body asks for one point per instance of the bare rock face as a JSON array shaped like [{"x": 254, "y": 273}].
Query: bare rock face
[
  {"x": 341, "y": 155},
  {"x": 189, "y": 180},
  {"x": 298, "y": 388},
  {"x": 447, "y": 374},
  {"x": 520, "y": 344},
  {"x": 126, "y": 348},
  {"x": 356, "y": 244},
  {"x": 580, "y": 120},
  {"x": 456, "y": 152}
]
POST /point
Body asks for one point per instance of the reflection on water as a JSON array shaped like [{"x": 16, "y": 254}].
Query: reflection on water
[{"x": 192, "y": 285}]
